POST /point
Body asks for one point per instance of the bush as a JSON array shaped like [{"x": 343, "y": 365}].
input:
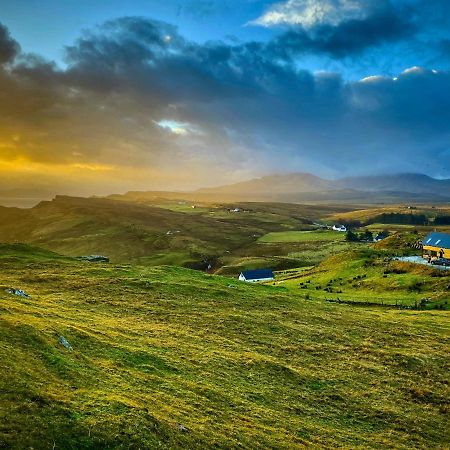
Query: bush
[
  {"x": 399, "y": 218},
  {"x": 351, "y": 236},
  {"x": 442, "y": 220}
]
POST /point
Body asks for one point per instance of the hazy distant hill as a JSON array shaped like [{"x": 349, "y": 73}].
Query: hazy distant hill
[
  {"x": 277, "y": 184},
  {"x": 308, "y": 187},
  {"x": 412, "y": 183}
]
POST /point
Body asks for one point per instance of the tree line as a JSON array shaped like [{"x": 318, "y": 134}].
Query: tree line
[{"x": 399, "y": 219}]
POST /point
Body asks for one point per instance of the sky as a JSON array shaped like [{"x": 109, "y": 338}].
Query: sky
[{"x": 100, "y": 97}]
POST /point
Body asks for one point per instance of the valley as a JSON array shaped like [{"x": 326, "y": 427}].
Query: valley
[{"x": 163, "y": 347}]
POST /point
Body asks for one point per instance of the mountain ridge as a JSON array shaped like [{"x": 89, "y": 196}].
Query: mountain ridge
[{"x": 283, "y": 187}]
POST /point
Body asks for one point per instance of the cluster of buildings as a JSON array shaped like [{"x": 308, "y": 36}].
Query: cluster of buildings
[{"x": 436, "y": 248}]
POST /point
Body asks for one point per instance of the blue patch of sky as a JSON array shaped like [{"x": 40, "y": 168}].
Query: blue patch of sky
[{"x": 46, "y": 26}]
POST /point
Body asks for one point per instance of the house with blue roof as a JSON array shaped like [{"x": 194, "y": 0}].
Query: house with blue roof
[
  {"x": 252, "y": 276},
  {"x": 437, "y": 245}
]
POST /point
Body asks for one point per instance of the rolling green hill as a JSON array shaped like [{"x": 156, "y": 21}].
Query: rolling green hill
[
  {"x": 166, "y": 357},
  {"x": 369, "y": 276},
  {"x": 376, "y": 214},
  {"x": 152, "y": 231}
]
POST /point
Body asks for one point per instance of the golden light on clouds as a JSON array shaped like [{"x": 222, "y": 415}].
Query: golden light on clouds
[
  {"x": 83, "y": 178},
  {"x": 138, "y": 106},
  {"x": 26, "y": 165}
]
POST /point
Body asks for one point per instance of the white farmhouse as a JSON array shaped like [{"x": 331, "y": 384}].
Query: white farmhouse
[{"x": 252, "y": 276}]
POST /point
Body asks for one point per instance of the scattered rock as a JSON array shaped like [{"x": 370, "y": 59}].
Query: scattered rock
[
  {"x": 64, "y": 342},
  {"x": 18, "y": 292},
  {"x": 95, "y": 258}
]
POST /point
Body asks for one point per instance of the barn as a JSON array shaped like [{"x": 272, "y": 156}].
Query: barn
[
  {"x": 437, "y": 245},
  {"x": 252, "y": 276}
]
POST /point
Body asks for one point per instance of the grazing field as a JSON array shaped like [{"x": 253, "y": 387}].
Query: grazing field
[
  {"x": 303, "y": 236},
  {"x": 167, "y": 357},
  {"x": 285, "y": 250},
  {"x": 370, "y": 276}
]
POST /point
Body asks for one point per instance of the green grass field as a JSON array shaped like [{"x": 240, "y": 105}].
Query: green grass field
[
  {"x": 303, "y": 236},
  {"x": 166, "y": 357},
  {"x": 339, "y": 351},
  {"x": 368, "y": 276},
  {"x": 285, "y": 250}
]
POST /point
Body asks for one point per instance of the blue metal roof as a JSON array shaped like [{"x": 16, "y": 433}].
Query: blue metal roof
[
  {"x": 257, "y": 274},
  {"x": 441, "y": 240}
]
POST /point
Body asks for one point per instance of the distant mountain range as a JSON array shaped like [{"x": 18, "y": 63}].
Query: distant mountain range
[
  {"x": 287, "y": 188},
  {"x": 299, "y": 187}
]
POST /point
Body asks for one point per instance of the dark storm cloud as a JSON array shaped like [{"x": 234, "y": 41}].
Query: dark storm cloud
[
  {"x": 136, "y": 93},
  {"x": 348, "y": 37},
  {"x": 9, "y": 48}
]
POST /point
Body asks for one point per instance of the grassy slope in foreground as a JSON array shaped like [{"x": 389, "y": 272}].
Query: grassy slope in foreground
[{"x": 237, "y": 366}]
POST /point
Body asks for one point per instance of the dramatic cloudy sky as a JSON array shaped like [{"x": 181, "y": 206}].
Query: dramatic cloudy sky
[{"x": 100, "y": 97}]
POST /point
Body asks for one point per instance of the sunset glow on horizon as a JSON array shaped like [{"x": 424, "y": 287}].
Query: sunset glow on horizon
[{"x": 143, "y": 97}]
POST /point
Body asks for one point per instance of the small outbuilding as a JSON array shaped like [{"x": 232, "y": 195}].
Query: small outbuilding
[
  {"x": 380, "y": 236},
  {"x": 252, "y": 276},
  {"x": 437, "y": 245}
]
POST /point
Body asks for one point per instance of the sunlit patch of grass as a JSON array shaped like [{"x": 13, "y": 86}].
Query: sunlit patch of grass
[
  {"x": 368, "y": 275},
  {"x": 166, "y": 357},
  {"x": 303, "y": 236}
]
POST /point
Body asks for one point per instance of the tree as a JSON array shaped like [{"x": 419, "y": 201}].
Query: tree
[
  {"x": 367, "y": 236},
  {"x": 351, "y": 237}
]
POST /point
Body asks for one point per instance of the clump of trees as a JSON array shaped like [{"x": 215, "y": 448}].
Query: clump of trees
[
  {"x": 399, "y": 219},
  {"x": 442, "y": 220},
  {"x": 365, "y": 236}
]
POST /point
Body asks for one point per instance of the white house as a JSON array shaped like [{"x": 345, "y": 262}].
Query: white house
[
  {"x": 252, "y": 276},
  {"x": 342, "y": 228}
]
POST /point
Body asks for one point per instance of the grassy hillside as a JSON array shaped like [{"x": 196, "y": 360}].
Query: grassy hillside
[
  {"x": 123, "y": 231},
  {"x": 172, "y": 358},
  {"x": 285, "y": 250},
  {"x": 374, "y": 214},
  {"x": 303, "y": 236},
  {"x": 152, "y": 232},
  {"x": 365, "y": 275}
]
